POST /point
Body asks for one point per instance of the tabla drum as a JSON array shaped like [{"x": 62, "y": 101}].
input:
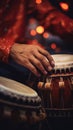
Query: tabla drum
[
  {"x": 19, "y": 103},
  {"x": 56, "y": 89}
]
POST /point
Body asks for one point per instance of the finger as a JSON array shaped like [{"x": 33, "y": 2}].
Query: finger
[
  {"x": 26, "y": 63},
  {"x": 44, "y": 61},
  {"x": 33, "y": 69},
  {"x": 36, "y": 62},
  {"x": 48, "y": 56}
]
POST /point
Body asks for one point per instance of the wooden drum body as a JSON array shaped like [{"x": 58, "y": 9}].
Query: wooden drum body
[
  {"x": 19, "y": 103},
  {"x": 56, "y": 89}
]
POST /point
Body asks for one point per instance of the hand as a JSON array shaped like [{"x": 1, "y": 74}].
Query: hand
[{"x": 32, "y": 57}]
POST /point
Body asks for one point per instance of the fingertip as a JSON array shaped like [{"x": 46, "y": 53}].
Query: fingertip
[
  {"x": 53, "y": 63},
  {"x": 49, "y": 68}
]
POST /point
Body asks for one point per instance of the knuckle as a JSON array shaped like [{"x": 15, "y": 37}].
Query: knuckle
[
  {"x": 38, "y": 63},
  {"x": 45, "y": 61},
  {"x": 32, "y": 51},
  {"x": 46, "y": 53},
  {"x": 42, "y": 57}
]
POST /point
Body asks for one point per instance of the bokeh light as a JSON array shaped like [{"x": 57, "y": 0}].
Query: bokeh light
[
  {"x": 64, "y": 6},
  {"x": 46, "y": 35},
  {"x": 53, "y": 46},
  {"x": 38, "y": 1},
  {"x": 39, "y": 29},
  {"x": 33, "y": 32}
]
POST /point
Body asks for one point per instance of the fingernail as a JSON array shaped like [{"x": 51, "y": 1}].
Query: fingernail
[
  {"x": 53, "y": 62},
  {"x": 49, "y": 68}
]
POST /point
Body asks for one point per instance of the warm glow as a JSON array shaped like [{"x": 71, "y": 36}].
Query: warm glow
[
  {"x": 40, "y": 29},
  {"x": 64, "y": 6},
  {"x": 53, "y": 46},
  {"x": 46, "y": 35},
  {"x": 33, "y": 32},
  {"x": 38, "y": 1}
]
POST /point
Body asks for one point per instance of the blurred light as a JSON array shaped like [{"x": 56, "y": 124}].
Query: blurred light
[
  {"x": 40, "y": 29},
  {"x": 64, "y": 6},
  {"x": 53, "y": 46},
  {"x": 32, "y": 32},
  {"x": 46, "y": 35},
  {"x": 38, "y": 1}
]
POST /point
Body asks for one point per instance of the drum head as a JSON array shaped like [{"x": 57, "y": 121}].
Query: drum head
[
  {"x": 63, "y": 60},
  {"x": 14, "y": 91},
  {"x": 16, "y": 87}
]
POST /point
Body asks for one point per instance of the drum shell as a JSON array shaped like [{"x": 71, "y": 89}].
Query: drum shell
[{"x": 56, "y": 89}]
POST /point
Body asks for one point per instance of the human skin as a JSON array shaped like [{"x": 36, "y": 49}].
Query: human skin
[{"x": 33, "y": 57}]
